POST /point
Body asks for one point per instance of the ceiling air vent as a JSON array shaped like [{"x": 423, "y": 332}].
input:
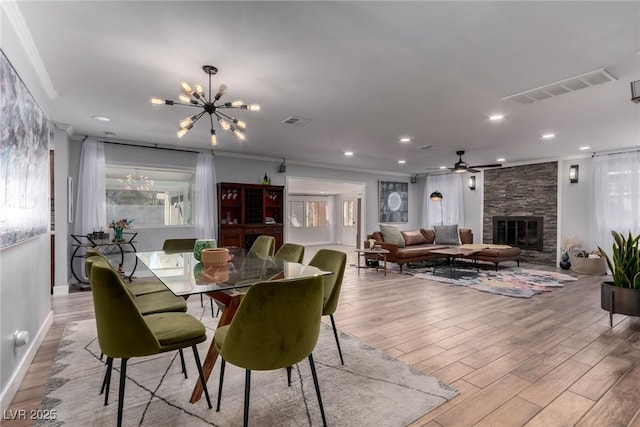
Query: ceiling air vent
[
  {"x": 296, "y": 120},
  {"x": 563, "y": 86}
]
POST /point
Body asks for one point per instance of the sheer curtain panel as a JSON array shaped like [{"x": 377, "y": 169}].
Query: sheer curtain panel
[
  {"x": 205, "y": 212},
  {"x": 616, "y": 196},
  {"x": 448, "y": 211},
  {"x": 92, "y": 193}
]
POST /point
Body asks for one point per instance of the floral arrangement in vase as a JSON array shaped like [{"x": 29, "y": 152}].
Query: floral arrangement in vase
[{"x": 119, "y": 226}]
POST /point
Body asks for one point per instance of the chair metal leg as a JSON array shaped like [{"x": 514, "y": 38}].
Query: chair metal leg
[
  {"x": 203, "y": 381},
  {"x": 212, "y": 315},
  {"x": 101, "y": 354},
  {"x": 184, "y": 367},
  {"x": 201, "y": 301},
  {"x": 222, "y": 366},
  {"x": 123, "y": 381},
  {"x": 315, "y": 382},
  {"x": 247, "y": 389},
  {"x": 106, "y": 382},
  {"x": 289, "y": 376},
  {"x": 335, "y": 334}
]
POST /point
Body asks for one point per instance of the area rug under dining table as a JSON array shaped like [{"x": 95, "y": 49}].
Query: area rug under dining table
[
  {"x": 513, "y": 282},
  {"x": 372, "y": 388}
]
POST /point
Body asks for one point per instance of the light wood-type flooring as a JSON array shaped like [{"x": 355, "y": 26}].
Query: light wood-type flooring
[{"x": 551, "y": 360}]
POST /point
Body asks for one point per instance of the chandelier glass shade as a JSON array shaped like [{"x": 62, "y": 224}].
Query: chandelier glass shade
[{"x": 208, "y": 103}]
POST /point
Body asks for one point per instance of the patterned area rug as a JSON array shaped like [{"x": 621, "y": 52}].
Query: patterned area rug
[
  {"x": 512, "y": 282},
  {"x": 372, "y": 388}
]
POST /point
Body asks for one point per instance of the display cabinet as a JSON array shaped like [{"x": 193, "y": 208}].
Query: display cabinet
[{"x": 246, "y": 211}]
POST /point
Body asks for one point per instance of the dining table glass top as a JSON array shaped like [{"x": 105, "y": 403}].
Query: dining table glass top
[{"x": 185, "y": 275}]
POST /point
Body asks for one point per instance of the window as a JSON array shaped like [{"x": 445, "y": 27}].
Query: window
[
  {"x": 150, "y": 197},
  {"x": 308, "y": 214},
  {"x": 347, "y": 213}
]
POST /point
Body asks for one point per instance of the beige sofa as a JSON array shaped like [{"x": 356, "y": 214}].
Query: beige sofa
[{"x": 419, "y": 244}]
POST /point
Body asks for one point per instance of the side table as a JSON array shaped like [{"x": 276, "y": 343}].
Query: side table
[{"x": 380, "y": 255}]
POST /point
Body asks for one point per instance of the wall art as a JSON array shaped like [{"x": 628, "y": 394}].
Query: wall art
[
  {"x": 393, "y": 201},
  {"x": 24, "y": 161}
]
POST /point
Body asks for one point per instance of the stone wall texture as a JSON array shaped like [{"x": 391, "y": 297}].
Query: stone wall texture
[{"x": 530, "y": 190}]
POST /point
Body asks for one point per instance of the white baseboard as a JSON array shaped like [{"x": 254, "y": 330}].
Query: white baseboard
[
  {"x": 61, "y": 290},
  {"x": 7, "y": 395}
]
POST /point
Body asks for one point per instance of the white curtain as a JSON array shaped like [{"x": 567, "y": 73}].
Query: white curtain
[
  {"x": 91, "y": 197},
  {"x": 616, "y": 196},
  {"x": 448, "y": 211},
  {"x": 205, "y": 212}
]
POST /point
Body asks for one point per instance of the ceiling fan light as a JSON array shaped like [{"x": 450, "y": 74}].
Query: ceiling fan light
[
  {"x": 460, "y": 170},
  {"x": 225, "y": 124}
]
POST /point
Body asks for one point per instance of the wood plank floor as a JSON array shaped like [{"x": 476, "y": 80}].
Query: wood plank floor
[{"x": 551, "y": 360}]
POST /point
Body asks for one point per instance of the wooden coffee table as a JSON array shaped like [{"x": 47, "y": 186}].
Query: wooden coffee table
[
  {"x": 380, "y": 255},
  {"x": 455, "y": 253}
]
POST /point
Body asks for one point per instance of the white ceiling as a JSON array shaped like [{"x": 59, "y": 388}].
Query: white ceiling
[{"x": 365, "y": 73}]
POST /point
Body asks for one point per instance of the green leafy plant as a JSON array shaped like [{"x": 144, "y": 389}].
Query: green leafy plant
[{"x": 624, "y": 262}]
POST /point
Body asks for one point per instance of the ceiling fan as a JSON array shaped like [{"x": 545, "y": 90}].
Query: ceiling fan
[{"x": 461, "y": 166}]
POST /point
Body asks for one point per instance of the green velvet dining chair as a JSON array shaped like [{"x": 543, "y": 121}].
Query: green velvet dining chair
[
  {"x": 264, "y": 246},
  {"x": 290, "y": 252},
  {"x": 277, "y": 325},
  {"x": 156, "y": 302},
  {"x": 144, "y": 286},
  {"x": 123, "y": 332},
  {"x": 335, "y": 262}
]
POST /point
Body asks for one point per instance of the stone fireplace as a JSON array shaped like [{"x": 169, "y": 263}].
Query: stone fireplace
[
  {"x": 524, "y": 232},
  {"x": 521, "y": 209}
]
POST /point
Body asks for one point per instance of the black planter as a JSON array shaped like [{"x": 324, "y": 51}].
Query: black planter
[
  {"x": 619, "y": 300},
  {"x": 565, "y": 265}
]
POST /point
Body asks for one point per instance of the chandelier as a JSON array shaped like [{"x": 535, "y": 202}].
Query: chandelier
[{"x": 195, "y": 96}]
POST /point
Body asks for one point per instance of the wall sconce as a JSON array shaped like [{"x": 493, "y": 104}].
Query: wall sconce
[
  {"x": 573, "y": 174},
  {"x": 472, "y": 182}
]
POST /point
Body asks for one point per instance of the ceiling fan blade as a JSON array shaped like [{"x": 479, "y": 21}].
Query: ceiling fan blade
[
  {"x": 472, "y": 170},
  {"x": 495, "y": 165}
]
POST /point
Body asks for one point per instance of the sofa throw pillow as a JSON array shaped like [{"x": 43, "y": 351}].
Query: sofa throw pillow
[
  {"x": 446, "y": 234},
  {"x": 428, "y": 234},
  {"x": 413, "y": 237},
  {"x": 466, "y": 236},
  {"x": 391, "y": 234}
]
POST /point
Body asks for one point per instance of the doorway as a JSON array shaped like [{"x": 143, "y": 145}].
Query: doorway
[{"x": 306, "y": 197}]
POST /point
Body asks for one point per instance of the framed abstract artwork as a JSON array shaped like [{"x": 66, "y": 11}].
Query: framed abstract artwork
[
  {"x": 24, "y": 161},
  {"x": 393, "y": 201}
]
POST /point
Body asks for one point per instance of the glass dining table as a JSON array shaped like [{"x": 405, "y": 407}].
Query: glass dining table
[{"x": 184, "y": 275}]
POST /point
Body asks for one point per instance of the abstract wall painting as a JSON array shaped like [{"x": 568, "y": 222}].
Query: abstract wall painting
[
  {"x": 393, "y": 201},
  {"x": 24, "y": 161}
]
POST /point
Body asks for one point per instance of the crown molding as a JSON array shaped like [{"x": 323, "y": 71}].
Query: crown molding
[{"x": 10, "y": 7}]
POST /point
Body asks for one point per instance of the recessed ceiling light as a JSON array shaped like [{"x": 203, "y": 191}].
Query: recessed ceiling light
[
  {"x": 321, "y": 192},
  {"x": 102, "y": 119},
  {"x": 402, "y": 162},
  {"x": 443, "y": 167},
  {"x": 405, "y": 139},
  {"x": 548, "y": 135},
  {"x": 109, "y": 134},
  {"x": 348, "y": 153},
  {"x": 495, "y": 117},
  {"x": 585, "y": 147},
  {"x": 500, "y": 159}
]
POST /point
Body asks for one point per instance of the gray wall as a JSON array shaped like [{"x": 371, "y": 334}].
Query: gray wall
[{"x": 25, "y": 267}]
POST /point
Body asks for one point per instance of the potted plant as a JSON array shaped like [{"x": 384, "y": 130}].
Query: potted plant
[{"x": 622, "y": 294}]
